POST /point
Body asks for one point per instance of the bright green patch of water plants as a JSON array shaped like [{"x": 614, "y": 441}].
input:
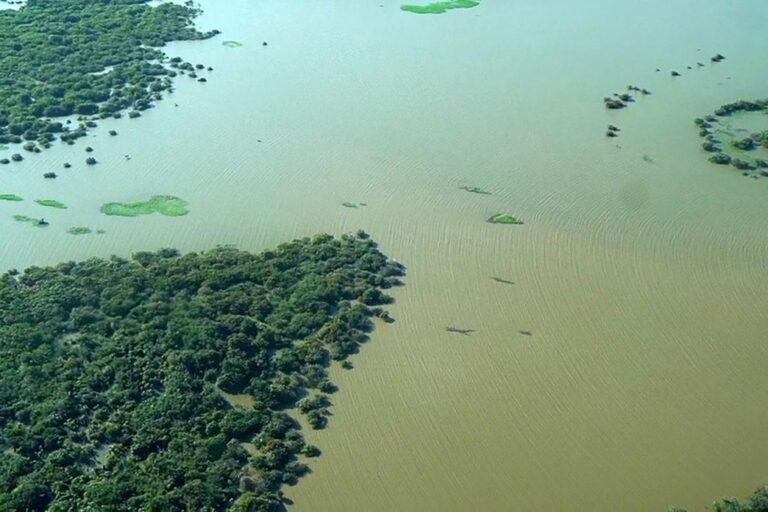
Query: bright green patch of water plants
[
  {"x": 439, "y": 7},
  {"x": 30, "y": 220},
  {"x": 79, "y": 230},
  {"x": 504, "y": 218},
  {"x": 51, "y": 203},
  {"x": 10, "y": 197},
  {"x": 170, "y": 206}
]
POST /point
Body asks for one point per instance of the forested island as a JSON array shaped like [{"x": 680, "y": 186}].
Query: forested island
[
  {"x": 87, "y": 58},
  {"x": 117, "y": 376}
]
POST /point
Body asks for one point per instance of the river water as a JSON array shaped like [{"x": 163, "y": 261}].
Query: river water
[{"x": 639, "y": 275}]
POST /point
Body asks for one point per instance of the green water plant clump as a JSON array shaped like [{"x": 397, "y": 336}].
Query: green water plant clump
[
  {"x": 79, "y": 230},
  {"x": 87, "y": 58},
  {"x": 475, "y": 190},
  {"x": 440, "y": 7},
  {"x": 30, "y": 220},
  {"x": 503, "y": 218},
  {"x": 51, "y": 203},
  {"x": 10, "y": 197},
  {"x": 113, "y": 373},
  {"x": 170, "y": 206}
]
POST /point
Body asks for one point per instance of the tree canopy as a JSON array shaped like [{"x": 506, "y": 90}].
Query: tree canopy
[
  {"x": 116, "y": 375},
  {"x": 87, "y": 58}
]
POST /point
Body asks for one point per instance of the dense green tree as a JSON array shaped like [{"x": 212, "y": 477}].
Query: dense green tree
[
  {"x": 113, "y": 373},
  {"x": 87, "y": 58}
]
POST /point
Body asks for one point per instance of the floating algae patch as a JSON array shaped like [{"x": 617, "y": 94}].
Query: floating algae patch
[
  {"x": 51, "y": 203},
  {"x": 232, "y": 44},
  {"x": 504, "y": 218},
  {"x": 475, "y": 190},
  {"x": 170, "y": 206},
  {"x": 30, "y": 220},
  {"x": 10, "y": 197},
  {"x": 79, "y": 230},
  {"x": 439, "y": 7}
]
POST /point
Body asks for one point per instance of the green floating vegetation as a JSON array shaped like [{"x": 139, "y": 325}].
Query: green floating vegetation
[
  {"x": 503, "y": 218},
  {"x": 79, "y": 230},
  {"x": 10, "y": 197},
  {"x": 232, "y": 44},
  {"x": 51, "y": 203},
  {"x": 88, "y": 58},
  {"x": 348, "y": 205},
  {"x": 475, "y": 190},
  {"x": 113, "y": 371},
  {"x": 170, "y": 206},
  {"x": 439, "y": 7},
  {"x": 30, "y": 220}
]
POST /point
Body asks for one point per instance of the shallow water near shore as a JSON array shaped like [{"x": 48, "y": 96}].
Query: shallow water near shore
[{"x": 639, "y": 272}]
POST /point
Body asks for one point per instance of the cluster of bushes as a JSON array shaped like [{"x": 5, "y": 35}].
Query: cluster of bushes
[
  {"x": 112, "y": 372},
  {"x": 741, "y": 106},
  {"x": 713, "y": 139},
  {"x": 86, "y": 58},
  {"x": 758, "y": 502}
]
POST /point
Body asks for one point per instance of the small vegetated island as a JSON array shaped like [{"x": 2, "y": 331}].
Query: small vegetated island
[
  {"x": 730, "y": 145},
  {"x": 440, "y": 7},
  {"x": 51, "y": 203},
  {"x": 170, "y": 206},
  {"x": 90, "y": 58},
  {"x": 503, "y": 218},
  {"x": 117, "y": 376}
]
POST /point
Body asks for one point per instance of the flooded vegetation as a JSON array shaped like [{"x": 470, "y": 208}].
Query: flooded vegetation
[
  {"x": 605, "y": 348},
  {"x": 735, "y": 146},
  {"x": 53, "y": 70},
  {"x": 149, "y": 342}
]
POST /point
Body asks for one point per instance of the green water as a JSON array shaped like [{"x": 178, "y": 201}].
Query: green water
[{"x": 640, "y": 271}]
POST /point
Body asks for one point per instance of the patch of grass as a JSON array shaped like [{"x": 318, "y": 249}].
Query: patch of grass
[
  {"x": 51, "y": 203},
  {"x": 169, "y": 206},
  {"x": 79, "y": 230},
  {"x": 504, "y": 218},
  {"x": 10, "y": 197},
  {"x": 439, "y": 7}
]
